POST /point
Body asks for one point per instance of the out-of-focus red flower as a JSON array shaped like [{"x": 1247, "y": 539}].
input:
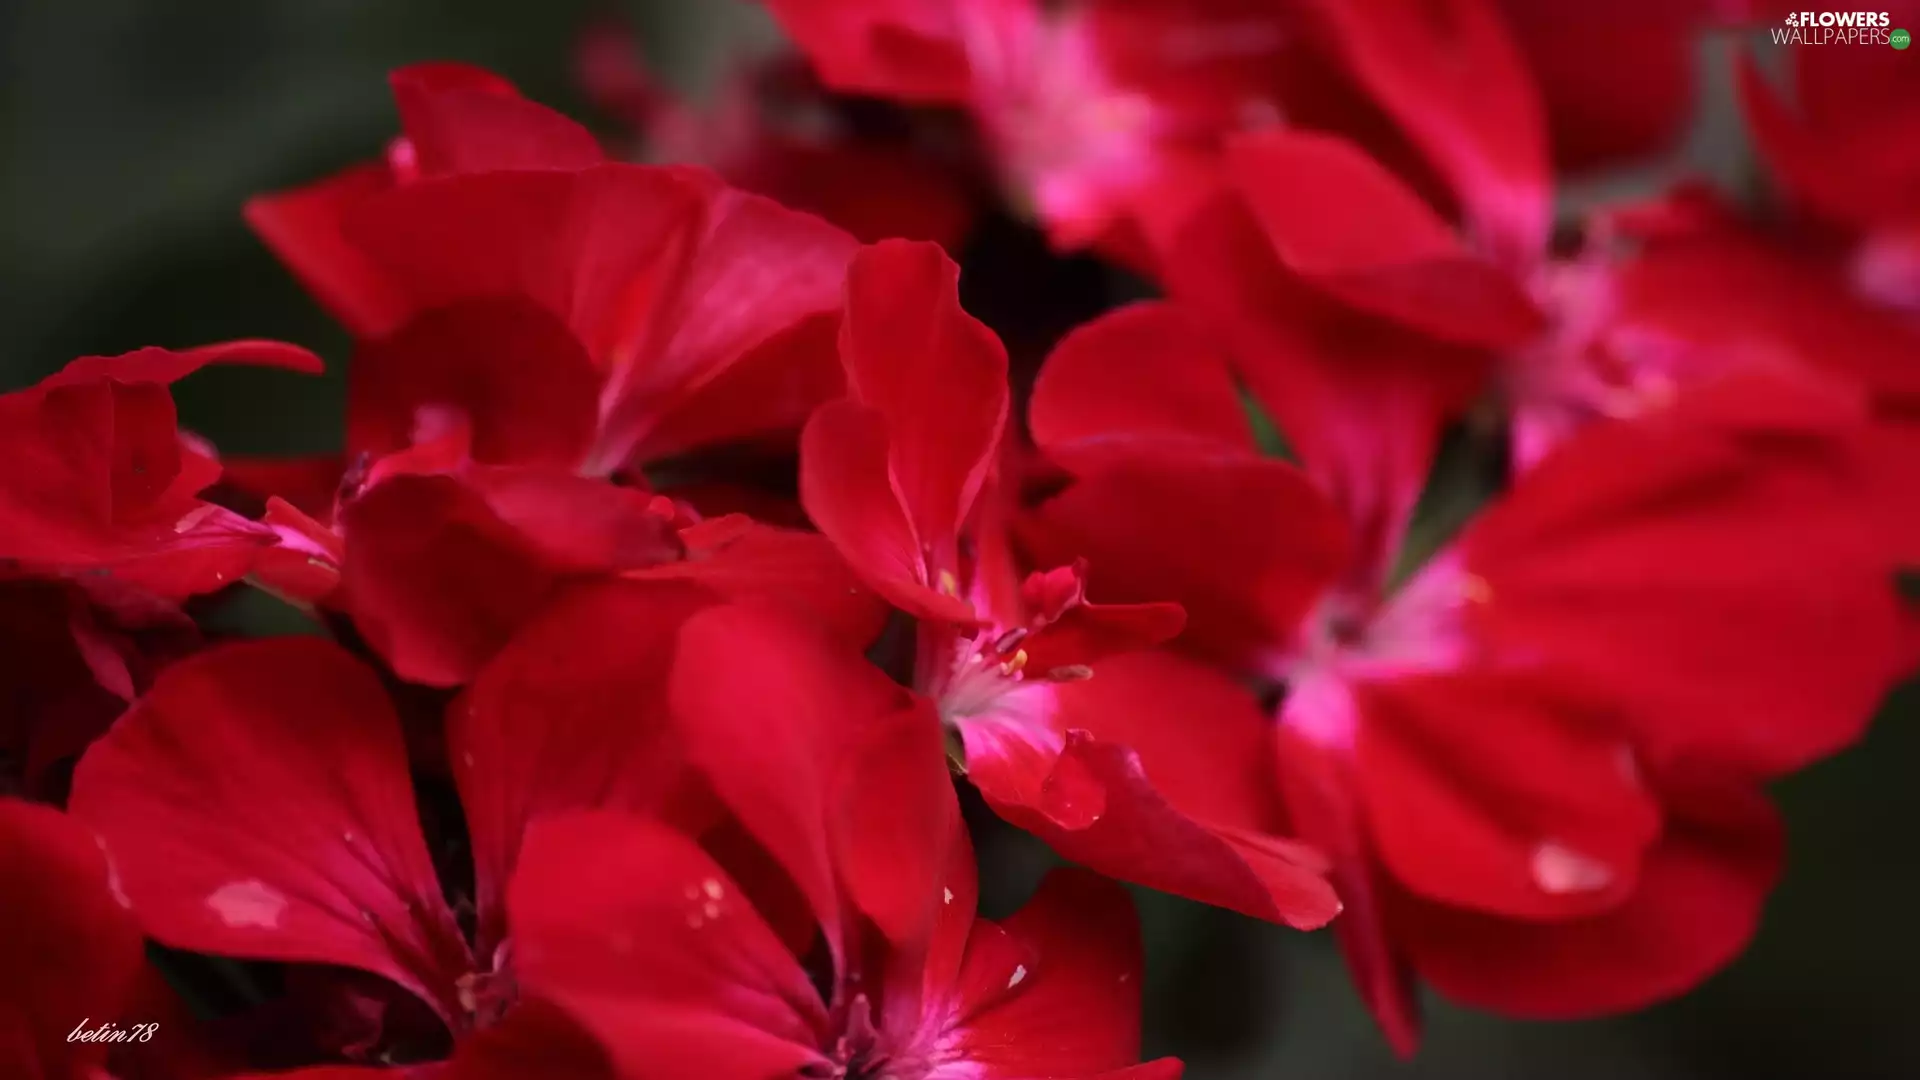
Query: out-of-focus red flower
[
  {"x": 1715, "y": 296},
  {"x": 1574, "y": 338},
  {"x": 102, "y": 535},
  {"x": 1855, "y": 194},
  {"x": 257, "y": 804},
  {"x": 681, "y": 966},
  {"x": 1619, "y": 81},
  {"x": 1099, "y": 116},
  {"x": 1539, "y": 729},
  {"x": 1825, "y": 145},
  {"x": 774, "y": 130},
  {"x": 902, "y": 476}
]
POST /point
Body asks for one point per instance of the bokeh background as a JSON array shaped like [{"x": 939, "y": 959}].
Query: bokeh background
[{"x": 132, "y": 130}]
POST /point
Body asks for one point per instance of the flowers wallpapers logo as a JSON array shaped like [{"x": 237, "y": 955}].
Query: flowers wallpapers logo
[
  {"x": 1836, "y": 28},
  {"x": 989, "y": 540}
]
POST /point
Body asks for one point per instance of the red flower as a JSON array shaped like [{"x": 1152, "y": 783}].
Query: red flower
[
  {"x": 774, "y": 130},
  {"x": 1578, "y": 338},
  {"x": 96, "y": 478},
  {"x": 531, "y": 318},
  {"x": 667, "y": 312},
  {"x": 1543, "y": 742},
  {"x": 900, "y": 475},
  {"x": 682, "y": 967},
  {"x": 1619, "y": 82},
  {"x": 257, "y": 804},
  {"x": 1100, "y": 116},
  {"x": 102, "y": 535},
  {"x": 1853, "y": 193},
  {"x": 440, "y": 560}
]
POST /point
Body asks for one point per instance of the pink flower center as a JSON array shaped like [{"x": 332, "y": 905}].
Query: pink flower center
[
  {"x": 865, "y": 1052},
  {"x": 1065, "y": 134},
  {"x": 1345, "y": 642}
]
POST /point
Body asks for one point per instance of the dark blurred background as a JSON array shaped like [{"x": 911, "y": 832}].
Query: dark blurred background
[{"x": 133, "y": 131}]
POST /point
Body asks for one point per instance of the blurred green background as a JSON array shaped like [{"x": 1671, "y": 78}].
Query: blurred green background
[{"x": 132, "y": 132}]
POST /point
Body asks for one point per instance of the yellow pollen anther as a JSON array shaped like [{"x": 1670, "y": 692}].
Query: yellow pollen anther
[
  {"x": 949, "y": 584},
  {"x": 1015, "y": 664}
]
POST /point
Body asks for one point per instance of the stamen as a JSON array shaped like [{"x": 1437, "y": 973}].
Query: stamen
[{"x": 1010, "y": 640}]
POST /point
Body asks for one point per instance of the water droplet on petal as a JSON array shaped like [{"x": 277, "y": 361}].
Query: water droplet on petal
[
  {"x": 949, "y": 893},
  {"x": 1562, "y": 871},
  {"x": 248, "y": 904},
  {"x": 1019, "y": 973}
]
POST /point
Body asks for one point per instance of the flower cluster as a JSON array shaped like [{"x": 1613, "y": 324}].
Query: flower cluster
[{"x": 1408, "y": 564}]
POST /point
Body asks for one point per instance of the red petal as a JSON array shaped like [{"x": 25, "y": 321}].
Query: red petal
[
  {"x": 645, "y": 941},
  {"x": 1459, "y": 87},
  {"x": 1618, "y": 83},
  {"x": 763, "y": 396},
  {"x": 1134, "y": 380},
  {"x": 1092, "y": 632},
  {"x": 906, "y": 49},
  {"x": 169, "y": 366},
  {"x": 936, "y": 375},
  {"x": 1362, "y": 401},
  {"x": 519, "y": 376},
  {"x": 94, "y": 477},
  {"x": 897, "y": 825},
  {"x": 1073, "y": 1008},
  {"x": 1707, "y": 571},
  {"x": 1181, "y": 757},
  {"x": 786, "y": 569},
  {"x": 744, "y": 296},
  {"x": 1696, "y": 905},
  {"x": 1486, "y": 793},
  {"x": 303, "y": 228},
  {"x": 772, "y": 745},
  {"x": 465, "y": 119},
  {"x": 571, "y": 715},
  {"x": 256, "y": 804},
  {"x": 1323, "y": 804},
  {"x": 304, "y": 567},
  {"x": 1244, "y": 547},
  {"x": 72, "y": 950},
  {"x": 1343, "y": 222},
  {"x": 435, "y": 580},
  {"x": 845, "y": 486},
  {"x": 535, "y": 1038},
  {"x": 439, "y": 572},
  {"x": 308, "y": 483},
  {"x": 583, "y": 245},
  {"x": 1722, "y": 290},
  {"x": 1833, "y": 159}
]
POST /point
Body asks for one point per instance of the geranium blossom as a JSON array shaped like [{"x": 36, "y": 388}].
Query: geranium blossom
[{"x": 1399, "y": 550}]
